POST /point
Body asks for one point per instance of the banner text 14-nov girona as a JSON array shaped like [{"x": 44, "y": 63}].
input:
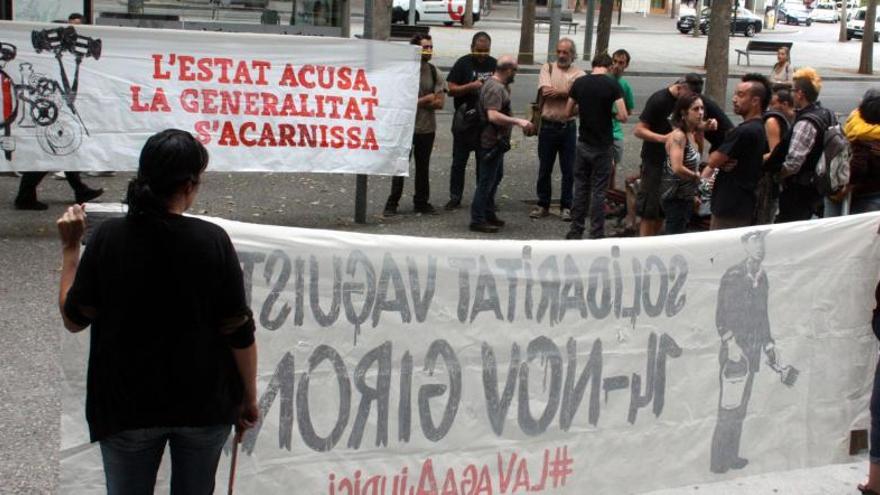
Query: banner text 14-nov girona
[
  {"x": 88, "y": 97},
  {"x": 402, "y": 365}
]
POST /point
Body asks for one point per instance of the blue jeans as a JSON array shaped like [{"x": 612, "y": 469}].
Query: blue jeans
[
  {"x": 678, "y": 214},
  {"x": 858, "y": 204},
  {"x": 488, "y": 178},
  {"x": 132, "y": 457},
  {"x": 592, "y": 172},
  {"x": 556, "y": 138}
]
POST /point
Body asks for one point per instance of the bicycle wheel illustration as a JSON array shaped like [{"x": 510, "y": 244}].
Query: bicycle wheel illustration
[{"x": 62, "y": 137}]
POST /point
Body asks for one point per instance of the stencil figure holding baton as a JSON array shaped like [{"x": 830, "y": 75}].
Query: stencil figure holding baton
[{"x": 744, "y": 326}]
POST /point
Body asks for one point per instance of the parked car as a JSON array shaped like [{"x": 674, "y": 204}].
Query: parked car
[
  {"x": 445, "y": 11},
  {"x": 742, "y": 20},
  {"x": 855, "y": 27},
  {"x": 825, "y": 12},
  {"x": 794, "y": 13}
]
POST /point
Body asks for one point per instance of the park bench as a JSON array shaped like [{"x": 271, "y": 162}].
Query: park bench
[
  {"x": 406, "y": 32},
  {"x": 564, "y": 20},
  {"x": 762, "y": 48}
]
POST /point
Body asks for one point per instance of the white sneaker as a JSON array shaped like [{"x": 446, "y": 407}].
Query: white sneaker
[
  {"x": 566, "y": 215},
  {"x": 59, "y": 176}
]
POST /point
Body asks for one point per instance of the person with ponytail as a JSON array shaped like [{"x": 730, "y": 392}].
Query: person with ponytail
[{"x": 172, "y": 356}]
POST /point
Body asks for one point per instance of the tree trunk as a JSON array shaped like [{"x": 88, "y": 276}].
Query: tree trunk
[
  {"x": 843, "y": 9},
  {"x": 527, "y": 34},
  {"x": 467, "y": 19},
  {"x": 866, "y": 62},
  {"x": 377, "y": 19},
  {"x": 717, "y": 48},
  {"x": 698, "y": 7},
  {"x": 603, "y": 29}
]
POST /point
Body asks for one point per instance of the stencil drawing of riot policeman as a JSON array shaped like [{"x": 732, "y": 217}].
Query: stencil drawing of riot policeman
[{"x": 744, "y": 326}]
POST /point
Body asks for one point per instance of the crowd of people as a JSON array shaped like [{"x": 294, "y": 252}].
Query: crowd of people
[{"x": 693, "y": 159}]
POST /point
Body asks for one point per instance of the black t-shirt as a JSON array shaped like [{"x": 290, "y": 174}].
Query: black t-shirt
[
  {"x": 725, "y": 125},
  {"x": 656, "y": 116},
  {"x": 467, "y": 70},
  {"x": 734, "y": 192},
  {"x": 595, "y": 95},
  {"x": 157, "y": 354}
]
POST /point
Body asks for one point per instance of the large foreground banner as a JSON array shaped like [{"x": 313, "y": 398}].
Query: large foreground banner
[
  {"x": 400, "y": 365},
  {"x": 87, "y": 98}
]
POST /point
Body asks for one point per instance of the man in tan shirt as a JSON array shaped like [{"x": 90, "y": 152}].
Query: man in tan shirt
[{"x": 558, "y": 135}]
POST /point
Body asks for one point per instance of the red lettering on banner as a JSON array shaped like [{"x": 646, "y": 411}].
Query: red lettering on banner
[
  {"x": 337, "y": 136},
  {"x": 186, "y": 62},
  {"x": 352, "y": 111},
  {"x": 202, "y": 135},
  {"x": 288, "y": 77},
  {"x": 227, "y": 135},
  {"x": 242, "y": 74},
  {"x": 157, "y": 68},
  {"x": 354, "y": 138},
  {"x": 136, "y": 105},
  {"x": 267, "y": 137},
  {"x": 370, "y": 103},
  {"x": 270, "y": 104},
  {"x": 242, "y": 134},
  {"x": 205, "y": 72},
  {"x": 189, "y": 100},
  {"x": 306, "y": 69},
  {"x": 224, "y": 64},
  {"x": 427, "y": 478},
  {"x": 250, "y": 104},
  {"x": 262, "y": 66},
  {"x": 159, "y": 103},
  {"x": 286, "y": 137},
  {"x": 360, "y": 81},
  {"x": 230, "y": 102},
  {"x": 209, "y": 106},
  {"x": 344, "y": 78},
  {"x": 450, "y": 487},
  {"x": 370, "y": 141}
]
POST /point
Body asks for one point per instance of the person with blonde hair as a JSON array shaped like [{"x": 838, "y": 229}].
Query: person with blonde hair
[
  {"x": 794, "y": 160},
  {"x": 780, "y": 75}
]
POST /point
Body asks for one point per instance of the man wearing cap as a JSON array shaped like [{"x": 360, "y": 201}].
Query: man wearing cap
[
  {"x": 744, "y": 326},
  {"x": 653, "y": 128}
]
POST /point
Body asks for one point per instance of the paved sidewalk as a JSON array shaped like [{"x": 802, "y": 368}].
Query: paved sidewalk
[{"x": 656, "y": 46}]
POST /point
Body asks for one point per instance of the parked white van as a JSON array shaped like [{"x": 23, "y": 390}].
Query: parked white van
[
  {"x": 855, "y": 26},
  {"x": 445, "y": 11}
]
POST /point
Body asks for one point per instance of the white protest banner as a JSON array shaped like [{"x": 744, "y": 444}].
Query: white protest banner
[
  {"x": 88, "y": 97},
  {"x": 401, "y": 365}
]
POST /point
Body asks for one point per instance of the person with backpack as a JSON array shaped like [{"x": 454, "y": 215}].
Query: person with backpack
[
  {"x": 558, "y": 131},
  {"x": 862, "y": 130},
  {"x": 801, "y": 150},
  {"x": 497, "y": 121},
  {"x": 431, "y": 98},
  {"x": 777, "y": 121},
  {"x": 465, "y": 80}
]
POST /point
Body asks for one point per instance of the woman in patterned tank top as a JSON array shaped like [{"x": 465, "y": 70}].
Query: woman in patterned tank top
[{"x": 681, "y": 176}]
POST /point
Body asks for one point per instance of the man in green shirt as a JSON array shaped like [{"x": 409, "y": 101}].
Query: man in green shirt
[{"x": 620, "y": 61}]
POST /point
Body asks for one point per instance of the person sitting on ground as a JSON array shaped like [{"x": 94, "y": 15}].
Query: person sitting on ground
[
  {"x": 682, "y": 173},
  {"x": 173, "y": 358},
  {"x": 781, "y": 73}
]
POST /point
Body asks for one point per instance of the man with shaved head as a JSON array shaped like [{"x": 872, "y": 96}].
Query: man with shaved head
[
  {"x": 740, "y": 157},
  {"x": 494, "y": 141}
]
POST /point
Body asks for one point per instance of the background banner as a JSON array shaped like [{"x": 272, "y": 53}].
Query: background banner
[
  {"x": 402, "y": 365},
  {"x": 88, "y": 97}
]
